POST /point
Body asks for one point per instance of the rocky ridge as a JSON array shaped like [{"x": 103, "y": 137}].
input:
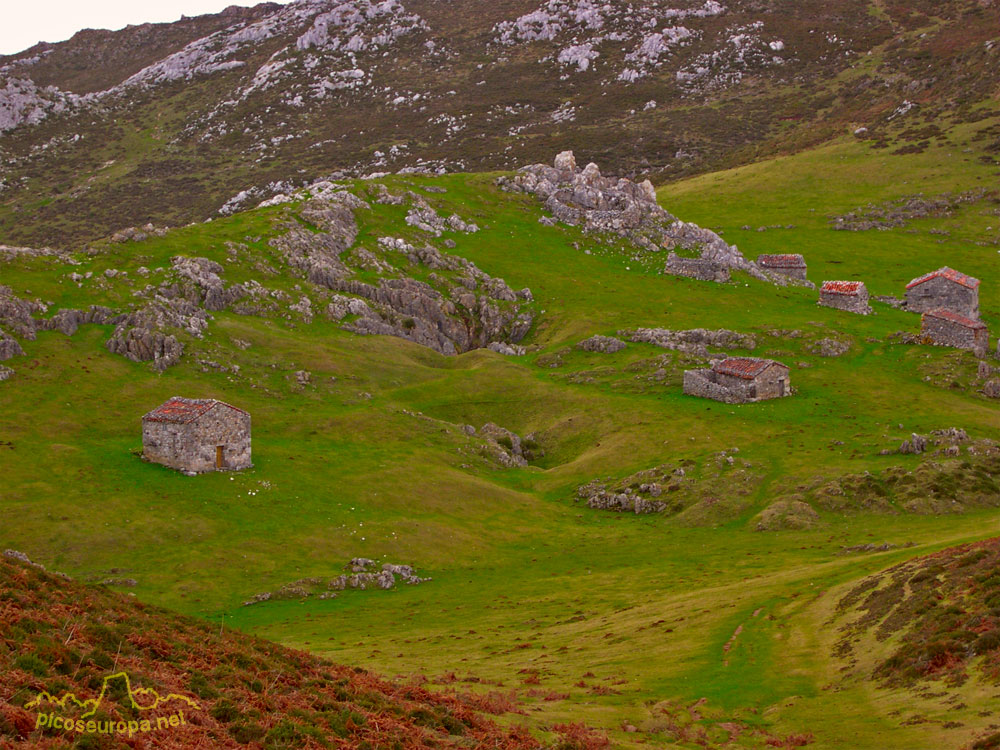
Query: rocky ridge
[
  {"x": 586, "y": 198},
  {"x": 457, "y": 308}
]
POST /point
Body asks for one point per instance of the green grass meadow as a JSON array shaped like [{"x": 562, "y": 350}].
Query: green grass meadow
[{"x": 369, "y": 459}]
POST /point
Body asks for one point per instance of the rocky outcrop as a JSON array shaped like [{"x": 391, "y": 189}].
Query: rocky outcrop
[
  {"x": 642, "y": 498},
  {"x": 143, "y": 345},
  {"x": 144, "y": 335},
  {"x": 915, "y": 445},
  {"x": 463, "y": 310},
  {"x": 504, "y": 447},
  {"x": 830, "y": 347},
  {"x": 510, "y": 350},
  {"x": 693, "y": 341},
  {"x": 415, "y": 310},
  {"x": 67, "y": 321},
  {"x": 603, "y": 344},
  {"x": 454, "y": 308},
  {"x": 328, "y": 228},
  {"x": 584, "y": 197},
  {"x": 9, "y": 347},
  {"x": 203, "y": 275},
  {"x": 423, "y": 216},
  {"x": 362, "y": 574},
  {"x": 16, "y": 314}
]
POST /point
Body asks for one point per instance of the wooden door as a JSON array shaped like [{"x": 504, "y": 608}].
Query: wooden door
[{"x": 218, "y": 456}]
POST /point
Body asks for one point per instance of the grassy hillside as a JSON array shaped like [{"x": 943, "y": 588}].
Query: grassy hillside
[
  {"x": 686, "y": 626},
  {"x": 222, "y": 689}
]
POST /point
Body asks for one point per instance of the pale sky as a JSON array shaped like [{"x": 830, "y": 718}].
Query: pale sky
[{"x": 27, "y": 22}]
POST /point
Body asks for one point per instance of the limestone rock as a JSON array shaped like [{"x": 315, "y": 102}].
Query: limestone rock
[
  {"x": 915, "y": 445},
  {"x": 620, "y": 206},
  {"x": 603, "y": 344},
  {"x": 565, "y": 161},
  {"x": 9, "y": 347},
  {"x": 829, "y": 347},
  {"x": 510, "y": 350},
  {"x": 692, "y": 341}
]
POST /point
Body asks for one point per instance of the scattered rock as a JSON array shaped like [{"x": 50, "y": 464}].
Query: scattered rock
[
  {"x": 915, "y": 445},
  {"x": 128, "y": 582},
  {"x": 693, "y": 341},
  {"x": 991, "y": 388},
  {"x": 899, "y": 212},
  {"x": 603, "y": 344},
  {"x": 504, "y": 447},
  {"x": 829, "y": 347},
  {"x": 871, "y": 547},
  {"x": 363, "y": 575},
  {"x": 501, "y": 347}
]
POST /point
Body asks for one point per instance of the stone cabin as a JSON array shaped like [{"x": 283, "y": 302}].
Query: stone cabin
[
  {"x": 944, "y": 289},
  {"x": 197, "y": 435},
  {"x": 851, "y": 296},
  {"x": 948, "y": 328},
  {"x": 791, "y": 265},
  {"x": 739, "y": 380}
]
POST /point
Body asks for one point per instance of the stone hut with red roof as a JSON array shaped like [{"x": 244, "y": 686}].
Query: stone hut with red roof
[
  {"x": 948, "y": 328},
  {"x": 197, "y": 435},
  {"x": 791, "y": 265},
  {"x": 944, "y": 289},
  {"x": 739, "y": 380},
  {"x": 851, "y": 296}
]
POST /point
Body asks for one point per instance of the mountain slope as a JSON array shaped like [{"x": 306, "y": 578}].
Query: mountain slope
[{"x": 167, "y": 122}]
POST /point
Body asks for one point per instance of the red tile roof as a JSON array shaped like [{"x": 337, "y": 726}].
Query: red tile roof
[
  {"x": 946, "y": 273},
  {"x": 781, "y": 261},
  {"x": 179, "y": 410},
  {"x": 851, "y": 288},
  {"x": 744, "y": 367},
  {"x": 954, "y": 317}
]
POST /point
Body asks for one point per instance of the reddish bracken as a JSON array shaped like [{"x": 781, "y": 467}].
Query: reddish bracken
[
  {"x": 61, "y": 636},
  {"x": 579, "y": 736}
]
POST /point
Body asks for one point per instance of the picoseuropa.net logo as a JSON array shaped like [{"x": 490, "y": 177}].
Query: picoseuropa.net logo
[{"x": 142, "y": 699}]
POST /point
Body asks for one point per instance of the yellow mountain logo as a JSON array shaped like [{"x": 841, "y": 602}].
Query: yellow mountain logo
[{"x": 140, "y": 698}]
